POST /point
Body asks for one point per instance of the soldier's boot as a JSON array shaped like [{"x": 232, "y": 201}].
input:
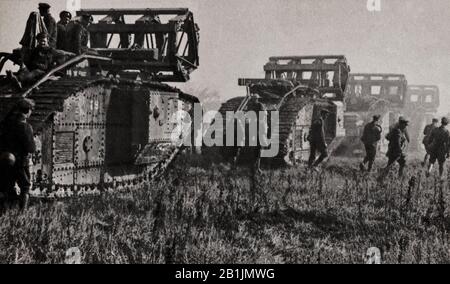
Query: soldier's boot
[
  {"x": 24, "y": 201},
  {"x": 424, "y": 163},
  {"x": 362, "y": 168},
  {"x": 430, "y": 168},
  {"x": 401, "y": 171},
  {"x": 258, "y": 166},
  {"x": 369, "y": 169},
  {"x": 441, "y": 172}
]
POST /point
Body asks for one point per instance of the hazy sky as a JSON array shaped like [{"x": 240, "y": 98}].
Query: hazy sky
[{"x": 238, "y": 36}]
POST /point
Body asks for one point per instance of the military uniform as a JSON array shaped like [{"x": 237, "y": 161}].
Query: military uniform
[
  {"x": 50, "y": 24},
  {"x": 17, "y": 138},
  {"x": 317, "y": 142},
  {"x": 259, "y": 108},
  {"x": 427, "y": 133},
  {"x": 398, "y": 141},
  {"x": 61, "y": 42},
  {"x": 439, "y": 145},
  {"x": 42, "y": 60},
  {"x": 371, "y": 136},
  {"x": 77, "y": 38}
]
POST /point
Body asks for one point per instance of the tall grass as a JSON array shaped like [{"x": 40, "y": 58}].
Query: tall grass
[{"x": 205, "y": 212}]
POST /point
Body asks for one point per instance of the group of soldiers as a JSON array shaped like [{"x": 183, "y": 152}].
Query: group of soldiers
[
  {"x": 46, "y": 43},
  {"x": 436, "y": 142}
]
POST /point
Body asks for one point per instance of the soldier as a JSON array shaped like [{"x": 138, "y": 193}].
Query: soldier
[
  {"x": 371, "y": 136},
  {"x": 42, "y": 60},
  {"x": 65, "y": 18},
  {"x": 398, "y": 142},
  {"x": 261, "y": 114},
  {"x": 317, "y": 141},
  {"x": 17, "y": 145},
  {"x": 78, "y": 34},
  {"x": 439, "y": 146},
  {"x": 50, "y": 23},
  {"x": 426, "y": 139}
]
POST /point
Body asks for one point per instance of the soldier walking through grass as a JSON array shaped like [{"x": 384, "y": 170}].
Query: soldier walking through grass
[
  {"x": 17, "y": 145},
  {"x": 439, "y": 147},
  {"x": 371, "y": 136},
  {"x": 317, "y": 141},
  {"x": 398, "y": 142},
  {"x": 426, "y": 139},
  {"x": 261, "y": 114}
]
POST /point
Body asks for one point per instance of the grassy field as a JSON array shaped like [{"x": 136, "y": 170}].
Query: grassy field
[{"x": 208, "y": 213}]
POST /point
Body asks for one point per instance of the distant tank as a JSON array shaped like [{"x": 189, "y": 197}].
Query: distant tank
[
  {"x": 370, "y": 94},
  {"x": 421, "y": 105},
  {"x": 298, "y": 87},
  {"x": 102, "y": 122}
]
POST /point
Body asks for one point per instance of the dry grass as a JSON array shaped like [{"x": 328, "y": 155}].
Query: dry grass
[{"x": 209, "y": 213}]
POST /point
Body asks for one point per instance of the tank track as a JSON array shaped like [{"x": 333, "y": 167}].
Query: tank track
[
  {"x": 288, "y": 113},
  {"x": 50, "y": 98}
]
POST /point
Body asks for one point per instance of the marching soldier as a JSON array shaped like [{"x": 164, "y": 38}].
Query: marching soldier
[
  {"x": 317, "y": 140},
  {"x": 371, "y": 136},
  {"x": 398, "y": 141},
  {"x": 439, "y": 147},
  {"x": 61, "y": 42},
  {"x": 426, "y": 139},
  {"x": 261, "y": 114},
  {"x": 17, "y": 145}
]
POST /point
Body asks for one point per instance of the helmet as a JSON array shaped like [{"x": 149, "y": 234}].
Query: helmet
[{"x": 7, "y": 159}]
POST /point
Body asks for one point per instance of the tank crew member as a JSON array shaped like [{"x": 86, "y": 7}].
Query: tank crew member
[
  {"x": 50, "y": 24},
  {"x": 17, "y": 142},
  {"x": 78, "y": 34},
  {"x": 439, "y": 147},
  {"x": 42, "y": 60},
  {"x": 371, "y": 136},
  {"x": 426, "y": 139},
  {"x": 398, "y": 142},
  {"x": 317, "y": 140},
  {"x": 65, "y": 18}
]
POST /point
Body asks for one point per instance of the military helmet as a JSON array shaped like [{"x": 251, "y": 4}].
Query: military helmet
[
  {"x": 325, "y": 111},
  {"x": 403, "y": 120},
  {"x": 7, "y": 159},
  {"x": 65, "y": 13},
  {"x": 44, "y": 6},
  {"x": 24, "y": 105}
]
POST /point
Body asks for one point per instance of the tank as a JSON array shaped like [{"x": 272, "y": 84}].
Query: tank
[
  {"x": 370, "y": 94},
  {"x": 102, "y": 120},
  {"x": 421, "y": 106},
  {"x": 298, "y": 88}
]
